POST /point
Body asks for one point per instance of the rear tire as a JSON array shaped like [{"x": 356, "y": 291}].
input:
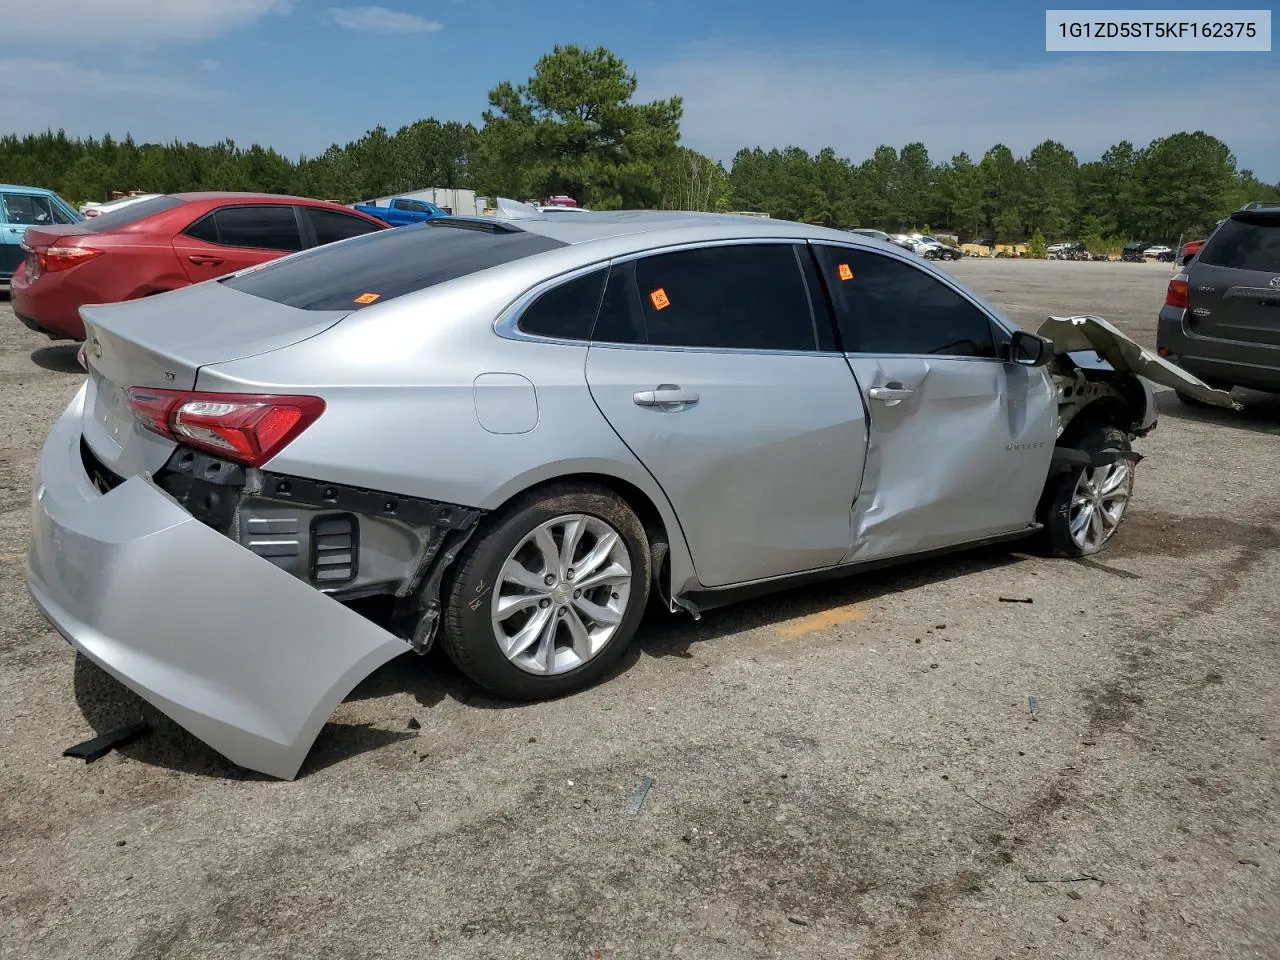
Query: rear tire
[
  {"x": 518, "y": 620},
  {"x": 1082, "y": 508}
]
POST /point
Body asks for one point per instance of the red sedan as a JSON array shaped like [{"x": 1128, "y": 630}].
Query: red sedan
[{"x": 163, "y": 243}]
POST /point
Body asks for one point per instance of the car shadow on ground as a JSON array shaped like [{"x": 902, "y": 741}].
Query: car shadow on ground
[
  {"x": 60, "y": 358},
  {"x": 1261, "y": 413},
  {"x": 107, "y": 704}
]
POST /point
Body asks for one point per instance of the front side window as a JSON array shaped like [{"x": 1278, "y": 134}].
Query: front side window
[
  {"x": 27, "y": 210},
  {"x": 884, "y": 305},
  {"x": 730, "y": 297}
]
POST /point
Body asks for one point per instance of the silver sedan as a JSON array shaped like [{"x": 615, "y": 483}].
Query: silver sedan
[{"x": 509, "y": 435}]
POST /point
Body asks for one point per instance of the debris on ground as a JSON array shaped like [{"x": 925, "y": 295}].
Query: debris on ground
[
  {"x": 1017, "y": 600},
  {"x": 413, "y": 724},
  {"x": 1072, "y": 895},
  {"x": 799, "y": 921},
  {"x": 1066, "y": 878},
  {"x": 637, "y": 798},
  {"x": 1034, "y": 705},
  {"x": 1249, "y": 863},
  {"x": 100, "y": 746}
]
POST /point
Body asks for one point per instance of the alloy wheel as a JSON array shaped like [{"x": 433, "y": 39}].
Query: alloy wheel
[
  {"x": 1098, "y": 503},
  {"x": 561, "y": 594}
]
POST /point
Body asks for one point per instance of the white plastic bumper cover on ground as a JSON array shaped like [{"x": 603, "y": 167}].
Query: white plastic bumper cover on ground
[{"x": 246, "y": 657}]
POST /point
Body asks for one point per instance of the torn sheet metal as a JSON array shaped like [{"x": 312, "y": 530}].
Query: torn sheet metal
[
  {"x": 245, "y": 656},
  {"x": 1090, "y": 333}
]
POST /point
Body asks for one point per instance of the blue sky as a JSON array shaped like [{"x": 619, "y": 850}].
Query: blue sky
[{"x": 301, "y": 74}]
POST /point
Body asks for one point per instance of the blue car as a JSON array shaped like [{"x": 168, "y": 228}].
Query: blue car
[{"x": 22, "y": 207}]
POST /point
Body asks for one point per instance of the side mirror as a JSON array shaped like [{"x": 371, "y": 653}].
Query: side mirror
[{"x": 1029, "y": 350}]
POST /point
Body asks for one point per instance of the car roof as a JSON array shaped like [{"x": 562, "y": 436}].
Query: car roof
[
  {"x": 213, "y": 195},
  {"x": 16, "y": 188},
  {"x": 646, "y": 229}
]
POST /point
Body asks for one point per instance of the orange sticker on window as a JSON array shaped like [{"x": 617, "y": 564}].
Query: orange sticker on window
[
  {"x": 844, "y": 271},
  {"x": 659, "y": 299},
  {"x": 368, "y": 297}
]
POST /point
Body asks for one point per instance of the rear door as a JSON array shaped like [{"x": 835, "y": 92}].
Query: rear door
[
  {"x": 959, "y": 440},
  {"x": 711, "y": 364},
  {"x": 1233, "y": 288},
  {"x": 232, "y": 238},
  {"x": 21, "y": 210}
]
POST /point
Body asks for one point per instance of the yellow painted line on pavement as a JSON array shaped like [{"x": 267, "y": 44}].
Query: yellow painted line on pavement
[{"x": 824, "y": 620}]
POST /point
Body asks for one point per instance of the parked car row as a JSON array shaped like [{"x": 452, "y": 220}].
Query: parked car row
[
  {"x": 154, "y": 244},
  {"x": 930, "y": 248}
]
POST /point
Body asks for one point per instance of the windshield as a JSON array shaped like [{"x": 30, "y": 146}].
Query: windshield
[{"x": 381, "y": 266}]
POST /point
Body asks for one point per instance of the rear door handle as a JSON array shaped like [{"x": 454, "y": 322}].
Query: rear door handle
[
  {"x": 666, "y": 395},
  {"x": 205, "y": 261},
  {"x": 890, "y": 394}
]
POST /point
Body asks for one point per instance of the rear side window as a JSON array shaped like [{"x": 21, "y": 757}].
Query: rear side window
[
  {"x": 1245, "y": 243},
  {"x": 567, "y": 311},
  {"x": 413, "y": 206},
  {"x": 331, "y": 226},
  {"x": 732, "y": 297},
  {"x": 390, "y": 263},
  {"x": 131, "y": 214},
  {"x": 884, "y": 305},
  {"x": 262, "y": 228}
]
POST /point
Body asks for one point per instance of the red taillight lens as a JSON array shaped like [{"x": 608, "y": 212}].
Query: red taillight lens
[
  {"x": 53, "y": 259},
  {"x": 246, "y": 428},
  {"x": 1177, "y": 295}
]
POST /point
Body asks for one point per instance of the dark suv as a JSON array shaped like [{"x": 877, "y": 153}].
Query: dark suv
[{"x": 1221, "y": 317}]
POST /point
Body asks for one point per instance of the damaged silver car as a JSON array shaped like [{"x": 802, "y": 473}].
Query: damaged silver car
[{"x": 511, "y": 433}]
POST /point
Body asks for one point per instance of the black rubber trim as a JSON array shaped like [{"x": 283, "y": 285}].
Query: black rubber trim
[
  {"x": 1068, "y": 458},
  {"x": 313, "y": 569},
  {"x": 370, "y": 503}
]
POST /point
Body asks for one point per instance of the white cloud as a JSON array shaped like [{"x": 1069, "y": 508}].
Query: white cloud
[
  {"x": 854, "y": 102},
  {"x": 87, "y": 22},
  {"x": 381, "y": 20}
]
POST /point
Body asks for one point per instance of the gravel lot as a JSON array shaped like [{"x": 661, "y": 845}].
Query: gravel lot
[{"x": 835, "y": 772}]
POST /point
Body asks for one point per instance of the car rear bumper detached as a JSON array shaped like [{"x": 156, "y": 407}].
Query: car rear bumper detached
[{"x": 243, "y": 655}]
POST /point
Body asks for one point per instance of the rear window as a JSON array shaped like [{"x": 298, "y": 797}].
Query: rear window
[
  {"x": 124, "y": 216},
  {"x": 390, "y": 263},
  {"x": 1245, "y": 243}
]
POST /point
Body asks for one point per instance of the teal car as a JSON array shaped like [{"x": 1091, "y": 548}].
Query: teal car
[{"x": 22, "y": 207}]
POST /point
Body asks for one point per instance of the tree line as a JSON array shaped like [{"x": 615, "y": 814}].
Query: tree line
[{"x": 574, "y": 128}]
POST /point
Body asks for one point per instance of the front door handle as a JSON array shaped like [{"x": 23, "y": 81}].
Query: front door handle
[
  {"x": 890, "y": 394},
  {"x": 667, "y": 395},
  {"x": 205, "y": 261}
]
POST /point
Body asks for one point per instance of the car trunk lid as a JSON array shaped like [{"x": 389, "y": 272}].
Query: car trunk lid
[
  {"x": 163, "y": 342},
  {"x": 1233, "y": 289}
]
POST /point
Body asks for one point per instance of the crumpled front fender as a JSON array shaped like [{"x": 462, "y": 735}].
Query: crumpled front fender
[{"x": 246, "y": 657}]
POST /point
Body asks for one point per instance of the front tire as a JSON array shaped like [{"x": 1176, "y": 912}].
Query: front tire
[
  {"x": 549, "y": 593},
  {"x": 1083, "y": 507}
]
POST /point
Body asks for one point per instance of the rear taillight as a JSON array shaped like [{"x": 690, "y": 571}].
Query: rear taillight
[
  {"x": 1177, "y": 295},
  {"x": 247, "y": 428},
  {"x": 53, "y": 259}
]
